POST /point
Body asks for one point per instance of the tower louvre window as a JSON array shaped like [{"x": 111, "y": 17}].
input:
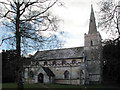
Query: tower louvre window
[
  {"x": 91, "y": 43},
  {"x": 91, "y": 20}
]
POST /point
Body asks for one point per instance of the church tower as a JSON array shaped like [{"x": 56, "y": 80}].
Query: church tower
[{"x": 92, "y": 50}]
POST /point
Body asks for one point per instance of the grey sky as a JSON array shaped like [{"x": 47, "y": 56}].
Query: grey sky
[
  {"x": 75, "y": 20},
  {"x": 75, "y": 16}
]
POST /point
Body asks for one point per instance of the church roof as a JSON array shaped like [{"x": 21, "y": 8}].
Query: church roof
[
  {"x": 75, "y": 52},
  {"x": 48, "y": 71}
]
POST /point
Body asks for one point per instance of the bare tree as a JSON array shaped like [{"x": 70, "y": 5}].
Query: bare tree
[
  {"x": 109, "y": 16},
  {"x": 109, "y": 20},
  {"x": 28, "y": 20}
]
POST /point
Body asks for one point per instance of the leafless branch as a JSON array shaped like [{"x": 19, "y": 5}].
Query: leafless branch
[
  {"x": 9, "y": 26},
  {"x": 27, "y": 5},
  {"x": 31, "y": 18},
  {"x": 8, "y": 13},
  {"x": 6, "y": 39},
  {"x": 4, "y": 3}
]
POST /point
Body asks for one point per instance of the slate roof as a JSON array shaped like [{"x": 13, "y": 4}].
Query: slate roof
[
  {"x": 48, "y": 71},
  {"x": 75, "y": 52}
]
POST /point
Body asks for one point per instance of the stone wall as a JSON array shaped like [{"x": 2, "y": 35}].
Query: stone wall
[
  {"x": 74, "y": 70},
  {"x": 93, "y": 50},
  {"x": 73, "y": 82}
]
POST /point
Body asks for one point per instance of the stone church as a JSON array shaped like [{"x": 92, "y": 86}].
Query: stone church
[{"x": 77, "y": 66}]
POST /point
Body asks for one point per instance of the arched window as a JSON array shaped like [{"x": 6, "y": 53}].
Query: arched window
[
  {"x": 31, "y": 74},
  {"x": 73, "y": 61},
  {"x": 63, "y": 62},
  {"x": 45, "y": 63},
  {"x": 54, "y": 62},
  {"x": 66, "y": 74},
  {"x": 91, "y": 43},
  {"x": 37, "y": 63}
]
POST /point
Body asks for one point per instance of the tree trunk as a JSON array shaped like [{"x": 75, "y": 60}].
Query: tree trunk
[
  {"x": 19, "y": 79},
  {"x": 18, "y": 48}
]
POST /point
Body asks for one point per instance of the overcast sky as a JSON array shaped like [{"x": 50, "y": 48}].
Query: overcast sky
[
  {"x": 75, "y": 20},
  {"x": 75, "y": 16}
]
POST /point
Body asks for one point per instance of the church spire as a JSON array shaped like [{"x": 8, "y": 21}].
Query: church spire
[{"x": 92, "y": 23}]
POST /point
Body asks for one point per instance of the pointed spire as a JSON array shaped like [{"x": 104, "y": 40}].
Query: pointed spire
[{"x": 92, "y": 23}]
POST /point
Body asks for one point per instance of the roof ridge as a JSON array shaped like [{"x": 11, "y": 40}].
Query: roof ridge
[
  {"x": 58, "y": 53},
  {"x": 61, "y": 49}
]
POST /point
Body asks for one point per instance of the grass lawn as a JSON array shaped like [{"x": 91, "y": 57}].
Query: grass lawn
[
  {"x": 9, "y": 85},
  {"x": 14, "y": 85},
  {"x": 103, "y": 87},
  {"x": 82, "y": 86}
]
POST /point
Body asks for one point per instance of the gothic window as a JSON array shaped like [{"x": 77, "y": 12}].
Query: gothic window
[
  {"x": 37, "y": 63},
  {"x": 91, "y": 43},
  {"x": 54, "y": 62},
  {"x": 45, "y": 63},
  {"x": 31, "y": 74},
  {"x": 63, "y": 62},
  {"x": 73, "y": 61},
  {"x": 66, "y": 74}
]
